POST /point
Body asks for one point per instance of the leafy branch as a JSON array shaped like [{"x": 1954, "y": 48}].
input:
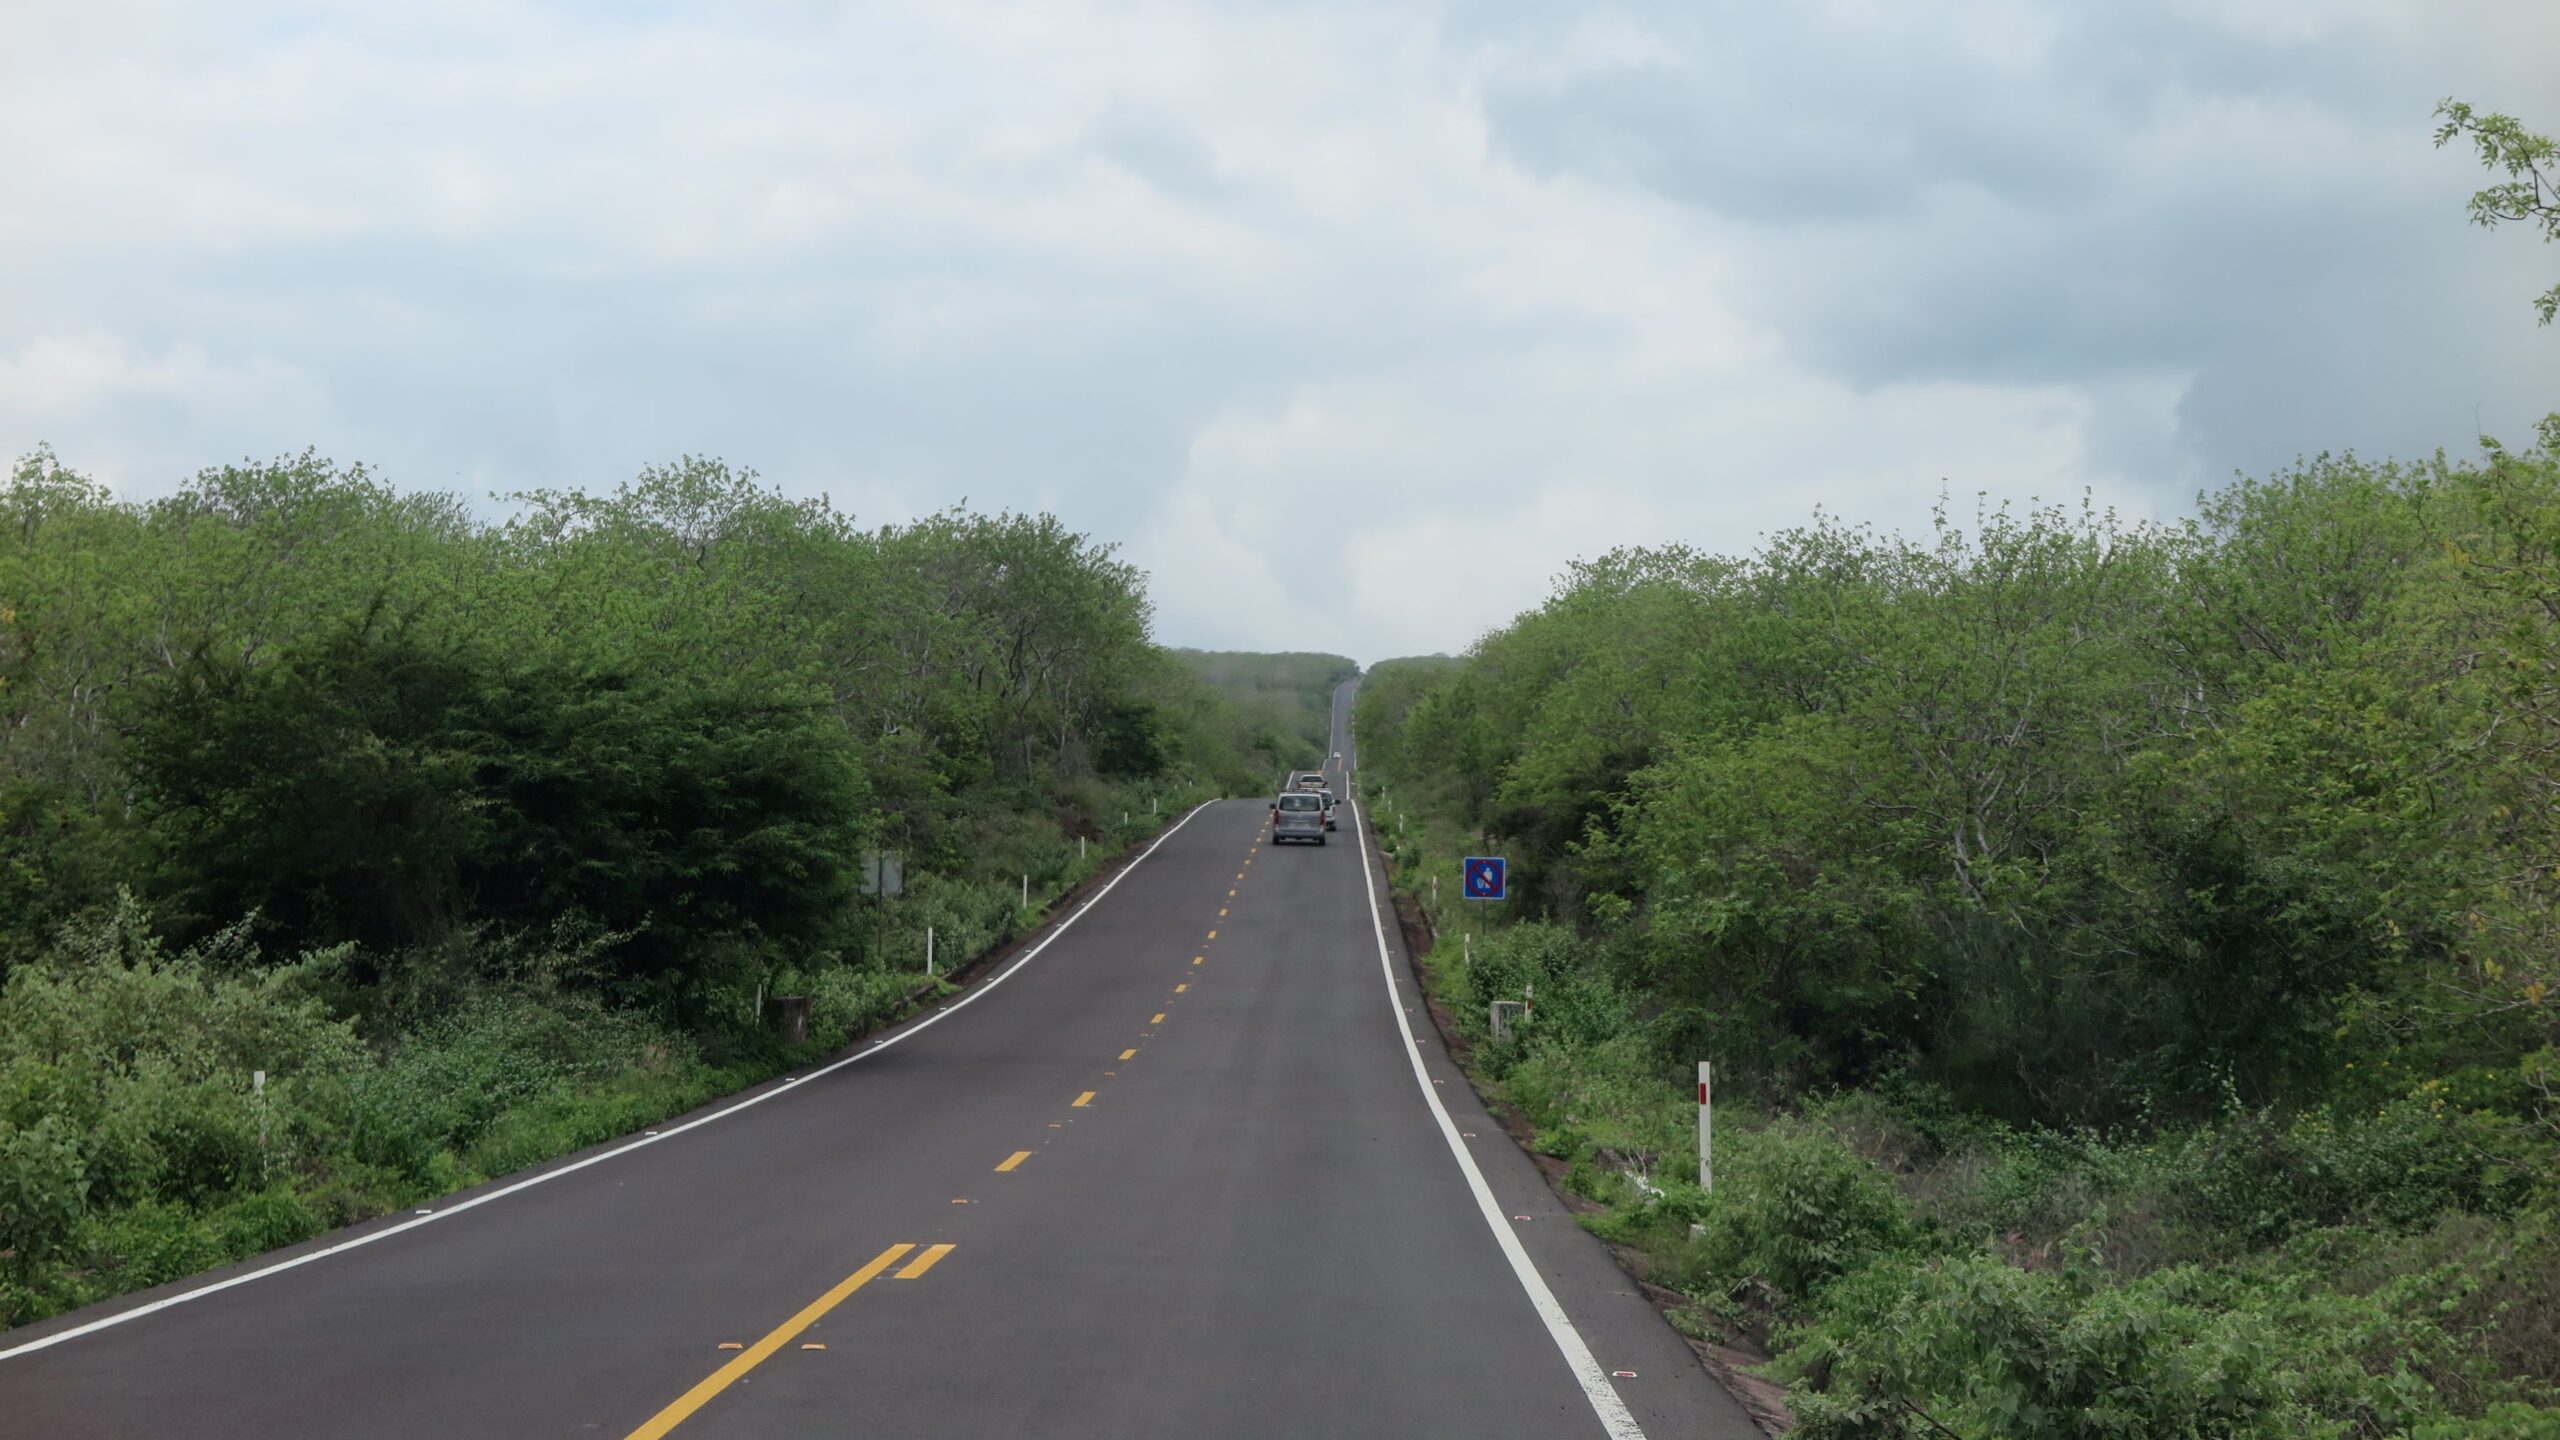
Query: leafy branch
[{"x": 2531, "y": 163}]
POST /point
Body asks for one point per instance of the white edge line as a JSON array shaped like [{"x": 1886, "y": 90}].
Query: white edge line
[
  {"x": 1613, "y": 1413},
  {"x": 787, "y": 1085}
]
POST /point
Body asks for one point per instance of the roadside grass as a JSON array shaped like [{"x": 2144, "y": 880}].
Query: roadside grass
[
  {"x": 2356, "y": 1270},
  {"x": 135, "y": 1149}
]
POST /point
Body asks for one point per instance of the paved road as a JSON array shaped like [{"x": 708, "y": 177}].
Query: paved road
[{"x": 1177, "y": 1175}]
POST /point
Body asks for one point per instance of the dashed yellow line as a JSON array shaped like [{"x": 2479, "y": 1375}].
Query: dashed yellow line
[
  {"x": 1178, "y": 989},
  {"x": 1159, "y": 1017},
  {"x": 1083, "y": 1100},
  {"x": 1196, "y": 959},
  {"x": 721, "y": 1379},
  {"x": 931, "y": 1257},
  {"x": 1010, "y": 1161},
  {"x": 1214, "y": 934},
  {"x": 1129, "y": 1054}
]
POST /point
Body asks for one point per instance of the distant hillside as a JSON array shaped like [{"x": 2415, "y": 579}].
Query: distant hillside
[{"x": 1285, "y": 700}]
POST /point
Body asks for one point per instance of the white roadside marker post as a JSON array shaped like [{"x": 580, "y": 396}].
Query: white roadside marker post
[
  {"x": 266, "y": 1161},
  {"x": 928, "y": 952},
  {"x": 1026, "y": 892},
  {"x": 1706, "y": 1132}
]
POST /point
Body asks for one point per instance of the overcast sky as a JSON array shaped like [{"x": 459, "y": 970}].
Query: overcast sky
[{"x": 1353, "y": 323}]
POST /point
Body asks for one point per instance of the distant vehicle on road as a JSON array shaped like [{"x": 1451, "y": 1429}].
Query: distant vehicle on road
[
  {"x": 1313, "y": 782},
  {"x": 1298, "y": 815}
]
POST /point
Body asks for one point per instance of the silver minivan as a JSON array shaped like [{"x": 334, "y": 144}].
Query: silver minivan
[{"x": 1297, "y": 815}]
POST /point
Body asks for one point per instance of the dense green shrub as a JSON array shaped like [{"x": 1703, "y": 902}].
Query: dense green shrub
[
  {"x": 44, "y": 1189},
  {"x": 1972, "y": 1345},
  {"x": 1796, "y": 1207},
  {"x": 148, "y": 1056},
  {"x": 126, "y": 1087},
  {"x": 845, "y": 1001},
  {"x": 2509, "y": 1420},
  {"x": 448, "y": 1080},
  {"x": 2253, "y": 1180},
  {"x": 1571, "y": 1002},
  {"x": 968, "y": 917}
]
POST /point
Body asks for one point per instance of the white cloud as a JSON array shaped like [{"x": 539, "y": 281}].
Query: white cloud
[
  {"x": 1455, "y": 291},
  {"x": 77, "y": 379}
]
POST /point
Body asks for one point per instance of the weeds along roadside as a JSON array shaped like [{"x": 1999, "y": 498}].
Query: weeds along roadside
[
  {"x": 1912, "y": 1270},
  {"x": 148, "y": 1155}
]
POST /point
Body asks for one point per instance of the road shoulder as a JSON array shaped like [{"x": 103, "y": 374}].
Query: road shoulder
[{"x": 1662, "y": 1381}]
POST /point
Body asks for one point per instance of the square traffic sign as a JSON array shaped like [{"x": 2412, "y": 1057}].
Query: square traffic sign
[{"x": 1486, "y": 877}]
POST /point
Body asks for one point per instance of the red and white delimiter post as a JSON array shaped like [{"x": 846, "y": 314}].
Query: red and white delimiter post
[{"x": 1706, "y": 1132}]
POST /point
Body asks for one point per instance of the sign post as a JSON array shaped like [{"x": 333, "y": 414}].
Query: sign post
[{"x": 884, "y": 874}]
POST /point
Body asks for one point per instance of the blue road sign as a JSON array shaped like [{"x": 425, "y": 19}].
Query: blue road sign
[{"x": 1486, "y": 877}]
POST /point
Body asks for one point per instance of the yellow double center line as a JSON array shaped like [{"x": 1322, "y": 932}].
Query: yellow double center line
[{"x": 763, "y": 1350}]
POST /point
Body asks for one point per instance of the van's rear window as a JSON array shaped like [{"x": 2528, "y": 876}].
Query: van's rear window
[{"x": 1301, "y": 802}]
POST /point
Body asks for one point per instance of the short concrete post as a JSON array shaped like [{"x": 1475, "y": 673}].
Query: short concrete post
[
  {"x": 794, "y": 1010},
  {"x": 928, "y": 952},
  {"x": 1026, "y": 892}
]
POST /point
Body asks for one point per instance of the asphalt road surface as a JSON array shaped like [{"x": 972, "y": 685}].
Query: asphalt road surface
[{"x": 1180, "y": 1173}]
